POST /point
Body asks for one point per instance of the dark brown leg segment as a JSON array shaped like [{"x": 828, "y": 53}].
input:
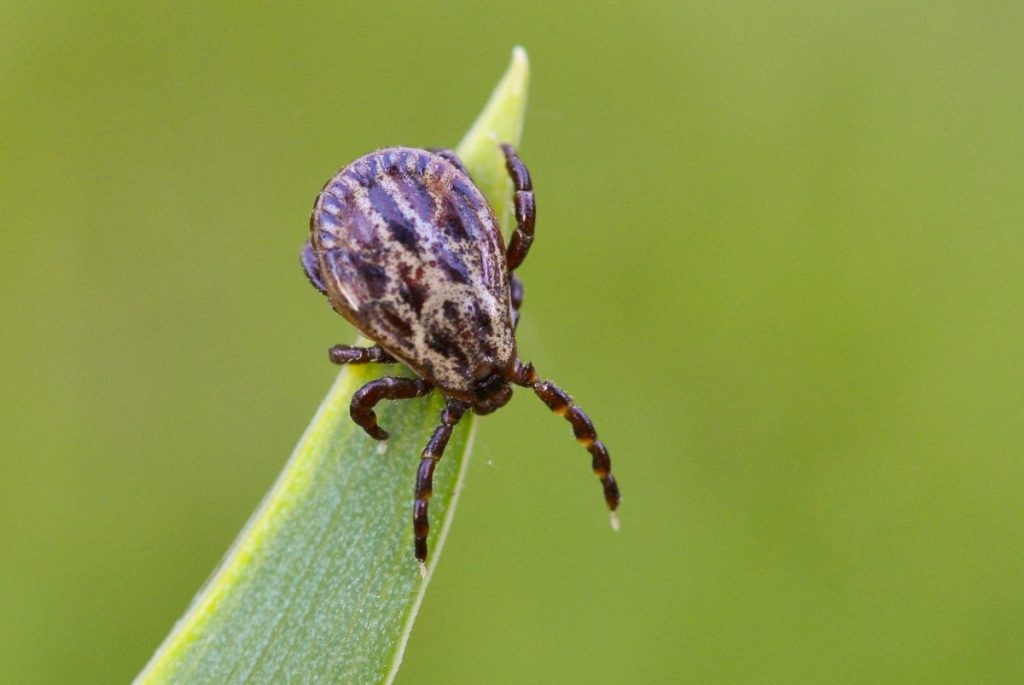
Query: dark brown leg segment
[
  {"x": 450, "y": 416},
  {"x": 386, "y": 388},
  {"x": 346, "y": 354},
  {"x": 561, "y": 403},
  {"x": 525, "y": 206}
]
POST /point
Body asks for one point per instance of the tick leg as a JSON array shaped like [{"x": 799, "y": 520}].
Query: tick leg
[
  {"x": 561, "y": 403},
  {"x": 450, "y": 416},
  {"x": 526, "y": 209},
  {"x": 386, "y": 388},
  {"x": 346, "y": 354},
  {"x": 516, "y": 289},
  {"x": 450, "y": 155},
  {"x": 311, "y": 268}
]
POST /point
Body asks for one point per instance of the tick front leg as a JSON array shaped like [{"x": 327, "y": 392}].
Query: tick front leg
[
  {"x": 346, "y": 354},
  {"x": 562, "y": 404},
  {"x": 432, "y": 453},
  {"x": 525, "y": 206},
  {"x": 386, "y": 388}
]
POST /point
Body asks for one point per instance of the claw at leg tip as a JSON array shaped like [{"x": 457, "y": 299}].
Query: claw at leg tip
[
  {"x": 614, "y": 518},
  {"x": 423, "y": 569},
  {"x": 382, "y": 447}
]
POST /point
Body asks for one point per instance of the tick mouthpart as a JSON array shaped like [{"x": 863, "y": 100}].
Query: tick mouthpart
[
  {"x": 487, "y": 383},
  {"x": 497, "y": 399}
]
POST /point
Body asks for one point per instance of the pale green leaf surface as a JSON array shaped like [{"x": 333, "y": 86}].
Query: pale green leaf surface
[{"x": 321, "y": 585}]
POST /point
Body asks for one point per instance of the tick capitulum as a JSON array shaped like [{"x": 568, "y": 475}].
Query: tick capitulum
[{"x": 406, "y": 248}]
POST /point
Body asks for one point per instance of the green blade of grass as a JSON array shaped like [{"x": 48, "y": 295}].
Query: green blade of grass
[{"x": 321, "y": 585}]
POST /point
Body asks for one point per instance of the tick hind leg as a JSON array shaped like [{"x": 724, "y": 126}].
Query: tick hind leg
[
  {"x": 525, "y": 208},
  {"x": 562, "y": 404},
  {"x": 386, "y": 388},
  {"x": 450, "y": 415}
]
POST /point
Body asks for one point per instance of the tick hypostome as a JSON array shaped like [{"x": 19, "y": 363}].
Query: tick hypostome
[{"x": 405, "y": 247}]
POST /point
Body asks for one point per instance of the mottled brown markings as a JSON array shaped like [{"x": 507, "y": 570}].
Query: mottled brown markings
[
  {"x": 362, "y": 233},
  {"x": 460, "y": 214},
  {"x": 405, "y": 235},
  {"x": 417, "y": 197},
  {"x": 402, "y": 229},
  {"x": 450, "y": 222},
  {"x": 400, "y": 325},
  {"x": 451, "y": 311},
  {"x": 482, "y": 320},
  {"x": 406, "y": 248},
  {"x": 413, "y": 294},
  {"x": 383, "y": 203},
  {"x": 442, "y": 342},
  {"x": 455, "y": 269},
  {"x": 374, "y": 276}
]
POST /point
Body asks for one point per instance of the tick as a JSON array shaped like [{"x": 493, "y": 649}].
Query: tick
[{"x": 405, "y": 247}]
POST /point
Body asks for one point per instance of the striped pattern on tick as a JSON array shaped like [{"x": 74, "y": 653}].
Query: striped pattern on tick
[
  {"x": 405, "y": 246},
  {"x": 413, "y": 254}
]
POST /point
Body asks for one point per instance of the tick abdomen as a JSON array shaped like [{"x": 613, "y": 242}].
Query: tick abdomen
[{"x": 410, "y": 253}]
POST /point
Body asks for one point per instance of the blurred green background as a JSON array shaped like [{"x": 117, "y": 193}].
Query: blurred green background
[{"x": 779, "y": 261}]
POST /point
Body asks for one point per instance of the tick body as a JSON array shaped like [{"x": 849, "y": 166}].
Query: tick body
[{"x": 407, "y": 249}]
